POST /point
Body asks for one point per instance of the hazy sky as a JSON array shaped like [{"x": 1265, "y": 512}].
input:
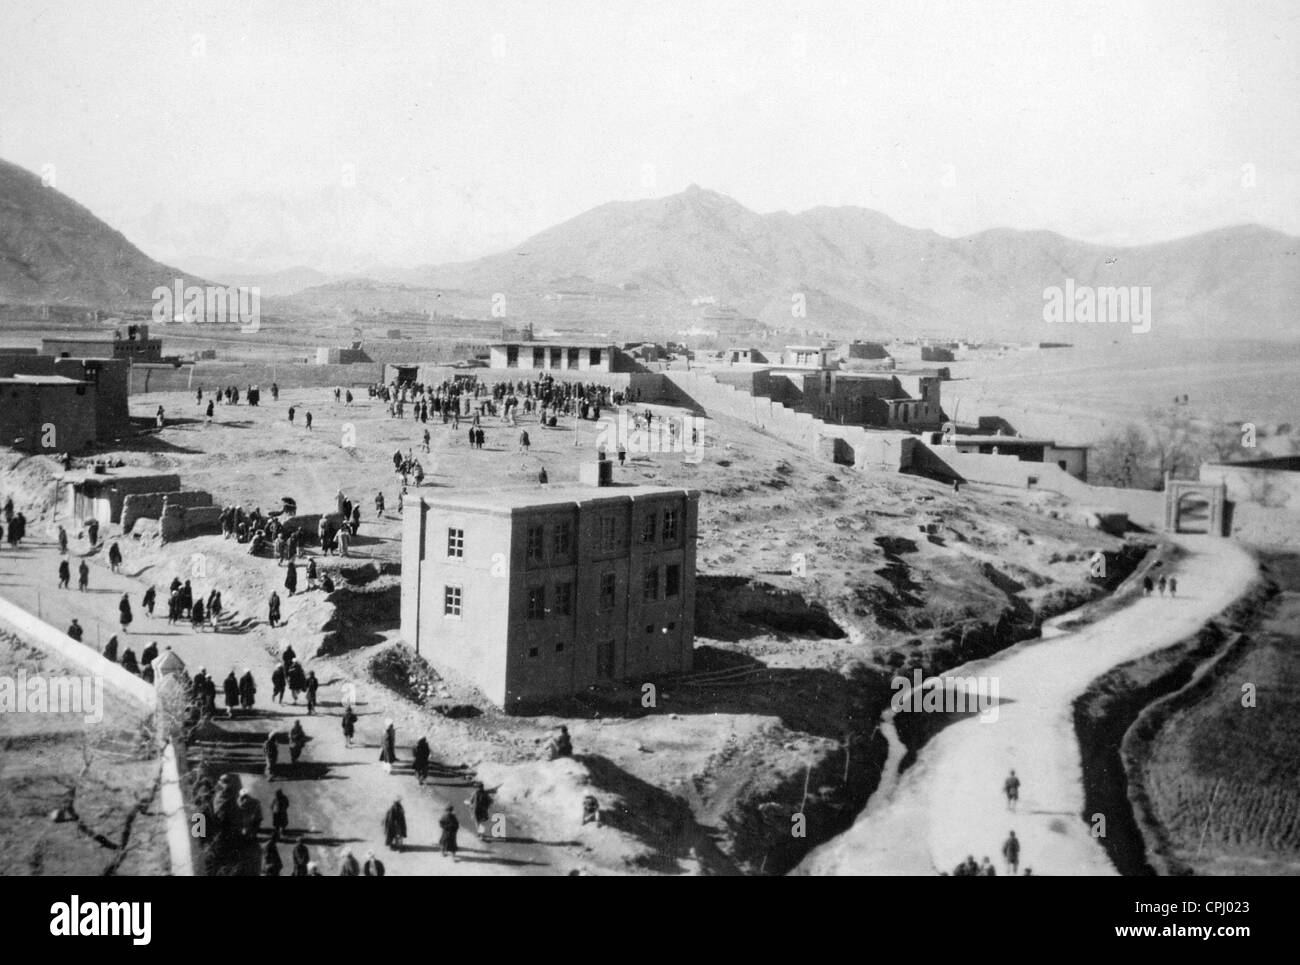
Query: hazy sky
[{"x": 1115, "y": 122}]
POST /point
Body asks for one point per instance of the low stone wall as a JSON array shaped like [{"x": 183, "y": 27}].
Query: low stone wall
[
  {"x": 154, "y": 505},
  {"x": 39, "y": 633},
  {"x": 288, "y": 375}
]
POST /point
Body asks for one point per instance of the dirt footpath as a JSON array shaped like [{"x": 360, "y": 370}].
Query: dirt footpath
[{"x": 949, "y": 804}]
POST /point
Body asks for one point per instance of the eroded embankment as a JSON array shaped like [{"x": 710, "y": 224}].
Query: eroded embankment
[
  {"x": 1114, "y": 703},
  {"x": 961, "y": 644}
]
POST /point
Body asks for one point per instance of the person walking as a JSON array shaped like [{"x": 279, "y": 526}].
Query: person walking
[
  {"x": 313, "y": 685},
  {"x": 297, "y": 680},
  {"x": 247, "y": 688},
  {"x": 277, "y": 685},
  {"x": 271, "y": 863},
  {"x": 1160, "y": 585},
  {"x": 291, "y": 578},
  {"x": 1011, "y": 788},
  {"x": 148, "y": 600},
  {"x": 280, "y": 812},
  {"x": 83, "y": 576},
  {"x": 230, "y": 688},
  {"x": 449, "y": 826},
  {"x": 297, "y": 741},
  {"x": 1011, "y": 852},
  {"x": 1173, "y": 586},
  {"x": 124, "y": 611},
  {"x": 65, "y": 574},
  {"x": 63, "y": 541},
  {"x": 301, "y": 859},
  {"x": 349, "y": 725},
  {"x": 388, "y": 751},
  {"x": 1147, "y": 586},
  {"x": 273, "y": 609},
  {"x": 349, "y": 868},
  {"x": 395, "y": 825},
  {"x": 479, "y": 804},
  {"x": 421, "y": 760},
  {"x": 114, "y": 557}
]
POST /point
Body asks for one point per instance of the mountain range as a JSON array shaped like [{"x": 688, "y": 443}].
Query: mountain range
[{"x": 654, "y": 264}]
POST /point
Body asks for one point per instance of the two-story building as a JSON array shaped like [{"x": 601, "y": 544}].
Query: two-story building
[{"x": 543, "y": 592}]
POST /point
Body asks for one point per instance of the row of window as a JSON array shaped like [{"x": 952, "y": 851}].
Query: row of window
[
  {"x": 561, "y": 542},
  {"x": 561, "y": 594},
  {"x": 539, "y": 356}
]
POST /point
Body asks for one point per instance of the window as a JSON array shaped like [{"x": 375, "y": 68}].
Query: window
[
  {"x": 455, "y": 544},
  {"x": 672, "y": 579},
  {"x": 536, "y": 542},
  {"x": 564, "y": 599},
  {"x": 670, "y": 524},
  {"x": 532, "y": 651},
  {"x": 650, "y": 584},
  {"x": 608, "y": 583},
  {"x": 512, "y": 356},
  {"x": 451, "y": 600},
  {"x": 559, "y": 647},
  {"x": 573, "y": 358},
  {"x": 648, "y": 528},
  {"x": 608, "y": 533},
  {"x": 536, "y": 602},
  {"x": 539, "y": 358},
  {"x": 595, "y": 356},
  {"x": 563, "y": 539}
]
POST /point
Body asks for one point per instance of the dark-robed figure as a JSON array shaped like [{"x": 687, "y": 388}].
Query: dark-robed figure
[
  {"x": 280, "y": 812},
  {"x": 247, "y": 690},
  {"x": 273, "y": 609},
  {"x": 395, "y": 825},
  {"x": 349, "y": 724},
  {"x": 297, "y": 680},
  {"x": 124, "y": 614},
  {"x": 129, "y": 662},
  {"x": 301, "y": 857},
  {"x": 312, "y": 685},
  {"x": 271, "y": 863},
  {"x": 421, "y": 757},
  {"x": 230, "y": 687},
  {"x": 388, "y": 749},
  {"x": 297, "y": 741},
  {"x": 277, "y": 685},
  {"x": 291, "y": 577},
  {"x": 449, "y": 825}
]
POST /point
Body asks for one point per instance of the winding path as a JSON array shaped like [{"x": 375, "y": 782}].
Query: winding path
[{"x": 949, "y": 803}]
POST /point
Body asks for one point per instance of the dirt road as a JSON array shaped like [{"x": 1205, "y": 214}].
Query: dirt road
[
  {"x": 949, "y": 804},
  {"x": 338, "y": 794}
]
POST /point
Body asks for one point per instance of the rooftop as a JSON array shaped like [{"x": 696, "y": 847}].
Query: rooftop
[
  {"x": 20, "y": 379},
  {"x": 554, "y": 343},
  {"x": 535, "y": 497},
  {"x": 1012, "y": 441}
]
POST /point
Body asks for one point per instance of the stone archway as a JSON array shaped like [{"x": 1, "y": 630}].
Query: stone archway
[{"x": 1195, "y": 507}]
